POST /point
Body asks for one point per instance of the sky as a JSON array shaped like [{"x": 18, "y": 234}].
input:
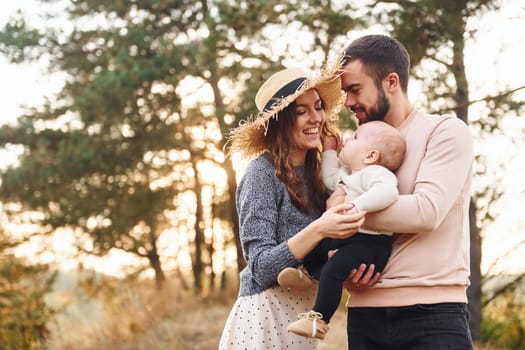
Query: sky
[{"x": 494, "y": 61}]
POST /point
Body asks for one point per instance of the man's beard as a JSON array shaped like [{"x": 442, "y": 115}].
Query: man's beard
[{"x": 379, "y": 111}]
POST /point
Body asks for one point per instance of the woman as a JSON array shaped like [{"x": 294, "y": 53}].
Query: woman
[{"x": 281, "y": 202}]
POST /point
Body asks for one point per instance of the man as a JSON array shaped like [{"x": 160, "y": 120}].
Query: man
[{"x": 420, "y": 300}]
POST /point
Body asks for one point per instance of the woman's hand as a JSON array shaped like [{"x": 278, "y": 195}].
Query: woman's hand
[
  {"x": 334, "y": 223},
  {"x": 361, "y": 278}
]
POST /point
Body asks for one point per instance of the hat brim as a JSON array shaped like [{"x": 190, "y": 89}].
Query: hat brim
[{"x": 249, "y": 137}]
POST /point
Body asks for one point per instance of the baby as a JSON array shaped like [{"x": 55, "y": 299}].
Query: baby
[{"x": 363, "y": 174}]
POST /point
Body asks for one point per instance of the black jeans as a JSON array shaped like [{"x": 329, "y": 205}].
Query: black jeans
[{"x": 441, "y": 326}]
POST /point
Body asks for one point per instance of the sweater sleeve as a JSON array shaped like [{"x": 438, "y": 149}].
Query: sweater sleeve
[
  {"x": 379, "y": 186},
  {"x": 259, "y": 197},
  {"x": 439, "y": 182}
]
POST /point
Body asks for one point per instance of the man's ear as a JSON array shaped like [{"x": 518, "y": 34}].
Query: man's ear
[
  {"x": 391, "y": 82},
  {"x": 372, "y": 157}
]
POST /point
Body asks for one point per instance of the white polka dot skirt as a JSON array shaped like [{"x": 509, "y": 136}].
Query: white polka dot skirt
[{"x": 259, "y": 321}]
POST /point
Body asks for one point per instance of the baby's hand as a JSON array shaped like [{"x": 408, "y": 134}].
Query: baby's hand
[
  {"x": 336, "y": 198},
  {"x": 352, "y": 210},
  {"x": 331, "y": 143}
]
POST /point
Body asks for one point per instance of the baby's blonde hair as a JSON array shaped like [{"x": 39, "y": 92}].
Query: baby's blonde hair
[{"x": 391, "y": 146}]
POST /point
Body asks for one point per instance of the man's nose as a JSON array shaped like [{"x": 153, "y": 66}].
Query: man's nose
[{"x": 350, "y": 100}]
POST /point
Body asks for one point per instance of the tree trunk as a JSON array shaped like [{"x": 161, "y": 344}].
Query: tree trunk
[
  {"x": 154, "y": 258},
  {"x": 230, "y": 172},
  {"x": 232, "y": 186},
  {"x": 474, "y": 290},
  {"x": 210, "y": 247},
  {"x": 154, "y": 261},
  {"x": 198, "y": 266},
  {"x": 461, "y": 98}
]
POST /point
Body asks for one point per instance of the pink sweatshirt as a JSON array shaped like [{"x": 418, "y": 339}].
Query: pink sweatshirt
[{"x": 430, "y": 256}]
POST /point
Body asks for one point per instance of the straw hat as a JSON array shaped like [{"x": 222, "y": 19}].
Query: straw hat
[{"x": 278, "y": 92}]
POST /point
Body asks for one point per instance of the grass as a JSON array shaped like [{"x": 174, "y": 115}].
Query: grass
[{"x": 136, "y": 316}]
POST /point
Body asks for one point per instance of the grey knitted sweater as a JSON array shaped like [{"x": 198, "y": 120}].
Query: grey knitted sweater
[{"x": 267, "y": 220}]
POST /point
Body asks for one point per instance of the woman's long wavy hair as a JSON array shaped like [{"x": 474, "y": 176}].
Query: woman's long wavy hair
[{"x": 280, "y": 145}]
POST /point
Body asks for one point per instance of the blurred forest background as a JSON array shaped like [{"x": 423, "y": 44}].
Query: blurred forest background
[{"x": 117, "y": 220}]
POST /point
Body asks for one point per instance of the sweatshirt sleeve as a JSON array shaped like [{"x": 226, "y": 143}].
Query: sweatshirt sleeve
[
  {"x": 259, "y": 196},
  {"x": 380, "y": 189},
  {"x": 329, "y": 169},
  {"x": 439, "y": 182}
]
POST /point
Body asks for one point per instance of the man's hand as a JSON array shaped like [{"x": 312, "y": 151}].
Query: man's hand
[
  {"x": 362, "y": 278},
  {"x": 358, "y": 279}
]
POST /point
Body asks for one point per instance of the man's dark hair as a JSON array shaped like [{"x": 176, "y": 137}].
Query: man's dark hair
[{"x": 380, "y": 56}]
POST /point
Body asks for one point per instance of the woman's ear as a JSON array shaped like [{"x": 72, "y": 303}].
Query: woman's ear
[{"x": 372, "y": 157}]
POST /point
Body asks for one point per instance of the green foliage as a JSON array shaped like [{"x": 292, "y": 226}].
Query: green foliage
[
  {"x": 434, "y": 32},
  {"x": 98, "y": 171},
  {"x": 112, "y": 154},
  {"x": 24, "y": 315},
  {"x": 108, "y": 156},
  {"x": 18, "y": 41},
  {"x": 503, "y": 325}
]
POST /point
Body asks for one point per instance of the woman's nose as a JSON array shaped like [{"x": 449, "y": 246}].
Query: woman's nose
[{"x": 318, "y": 115}]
